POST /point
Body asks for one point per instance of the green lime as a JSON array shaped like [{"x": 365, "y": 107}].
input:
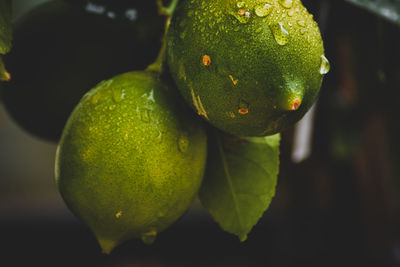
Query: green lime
[
  {"x": 131, "y": 159},
  {"x": 251, "y": 67},
  {"x": 60, "y": 51}
]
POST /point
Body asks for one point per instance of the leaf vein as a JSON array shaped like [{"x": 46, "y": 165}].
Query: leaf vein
[{"x": 229, "y": 178}]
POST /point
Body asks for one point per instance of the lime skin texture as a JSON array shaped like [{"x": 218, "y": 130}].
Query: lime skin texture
[
  {"x": 250, "y": 68},
  {"x": 131, "y": 158}
]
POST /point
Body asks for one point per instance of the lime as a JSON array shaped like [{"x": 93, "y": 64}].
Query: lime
[
  {"x": 131, "y": 159},
  {"x": 251, "y": 67}
]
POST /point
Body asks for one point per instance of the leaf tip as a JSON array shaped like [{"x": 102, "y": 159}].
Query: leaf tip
[{"x": 107, "y": 245}]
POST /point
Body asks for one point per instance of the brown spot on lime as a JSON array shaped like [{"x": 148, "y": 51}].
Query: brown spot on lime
[
  {"x": 296, "y": 104},
  {"x": 234, "y": 81},
  {"x": 243, "y": 111},
  {"x": 206, "y": 60}
]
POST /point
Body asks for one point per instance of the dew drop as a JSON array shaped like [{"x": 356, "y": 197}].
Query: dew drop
[
  {"x": 126, "y": 136},
  {"x": 240, "y": 4},
  {"x": 325, "y": 66},
  {"x": 263, "y": 10},
  {"x": 303, "y": 31},
  {"x": 291, "y": 13},
  {"x": 158, "y": 138},
  {"x": 96, "y": 98},
  {"x": 308, "y": 39},
  {"x": 281, "y": 35},
  {"x": 301, "y": 23},
  {"x": 286, "y": 3},
  {"x": 119, "y": 94},
  {"x": 183, "y": 143},
  {"x": 112, "y": 107},
  {"x": 145, "y": 115},
  {"x": 149, "y": 237},
  {"x": 105, "y": 84}
]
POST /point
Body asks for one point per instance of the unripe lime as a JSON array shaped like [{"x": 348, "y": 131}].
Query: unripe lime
[
  {"x": 249, "y": 67},
  {"x": 131, "y": 159},
  {"x": 60, "y": 51}
]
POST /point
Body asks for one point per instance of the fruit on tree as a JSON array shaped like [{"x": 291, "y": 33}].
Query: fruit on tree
[
  {"x": 131, "y": 158},
  {"x": 248, "y": 67}
]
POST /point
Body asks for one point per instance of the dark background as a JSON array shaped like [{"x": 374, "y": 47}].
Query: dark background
[{"x": 339, "y": 207}]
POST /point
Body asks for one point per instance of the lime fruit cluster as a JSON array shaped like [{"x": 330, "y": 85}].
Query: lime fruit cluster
[
  {"x": 249, "y": 67},
  {"x": 131, "y": 159},
  {"x": 132, "y": 155}
]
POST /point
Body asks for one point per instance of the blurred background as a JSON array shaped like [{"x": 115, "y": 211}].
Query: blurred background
[{"x": 340, "y": 206}]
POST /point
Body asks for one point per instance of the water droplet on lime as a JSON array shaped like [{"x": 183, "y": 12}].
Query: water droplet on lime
[
  {"x": 96, "y": 98},
  {"x": 240, "y": 4},
  {"x": 286, "y": 3},
  {"x": 145, "y": 115},
  {"x": 301, "y": 23},
  {"x": 325, "y": 66},
  {"x": 149, "y": 237},
  {"x": 281, "y": 35},
  {"x": 119, "y": 94},
  {"x": 263, "y": 9},
  {"x": 183, "y": 143}
]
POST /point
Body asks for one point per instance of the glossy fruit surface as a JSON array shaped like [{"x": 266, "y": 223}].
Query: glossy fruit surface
[
  {"x": 61, "y": 51},
  {"x": 250, "y": 68},
  {"x": 131, "y": 159}
]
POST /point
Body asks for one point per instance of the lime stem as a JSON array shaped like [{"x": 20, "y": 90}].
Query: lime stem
[
  {"x": 169, "y": 10},
  {"x": 158, "y": 64}
]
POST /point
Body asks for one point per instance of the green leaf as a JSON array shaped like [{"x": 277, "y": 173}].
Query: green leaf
[
  {"x": 5, "y": 26},
  {"x": 388, "y": 9},
  {"x": 240, "y": 180}
]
